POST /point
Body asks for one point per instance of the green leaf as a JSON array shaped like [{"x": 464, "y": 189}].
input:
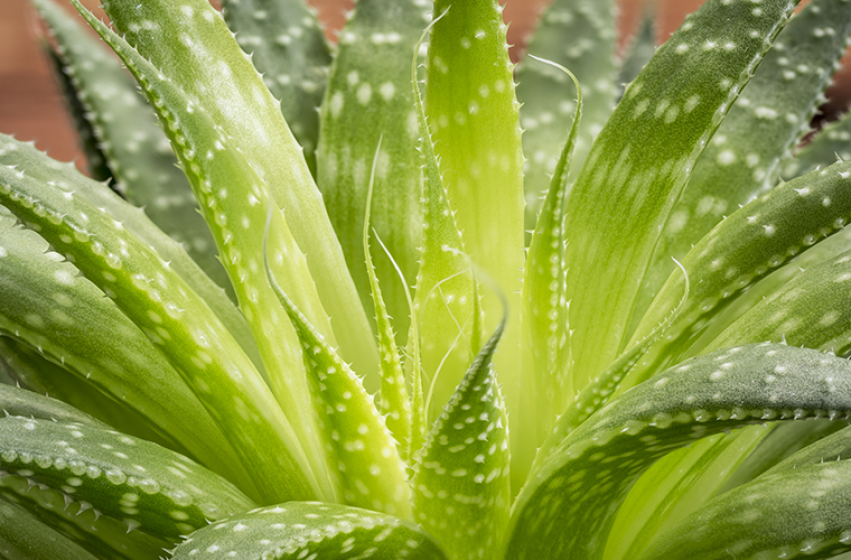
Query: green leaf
[
  {"x": 473, "y": 115},
  {"x": 811, "y": 310},
  {"x": 831, "y": 142},
  {"x": 461, "y": 487},
  {"x": 754, "y": 241},
  {"x": 157, "y": 491},
  {"x": 177, "y": 321},
  {"x": 641, "y": 47},
  {"x": 568, "y": 507},
  {"x": 20, "y": 402},
  {"x": 47, "y": 305},
  {"x": 770, "y": 117},
  {"x": 77, "y": 520},
  {"x": 676, "y": 486},
  {"x": 187, "y": 41},
  {"x": 360, "y": 447},
  {"x": 296, "y": 530},
  {"x": 136, "y": 150},
  {"x": 642, "y": 160},
  {"x": 38, "y": 165},
  {"x": 393, "y": 397},
  {"x": 86, "y": 139},
  {"x": 288, "y": 48},
  {"x": 580, "y": 35},
  {"x": 544, "y": 319},
  {"x": 233, "y": 198},
  {"x": 834, "y": 447},
  {"x": 25, "y": 537},
  {"x": 369, "y": 97},
  {"x": 753, "y": 521},
  {"x": 783, "y": 441}
]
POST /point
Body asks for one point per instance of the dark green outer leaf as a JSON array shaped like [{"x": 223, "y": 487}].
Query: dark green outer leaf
[
  {"x": 800, "y": 513},
  {"x": 47, "y": 305},
  {"x": 155, "y": 490},
  {"x": 177, "y": 321},
  {"x": 580, "y": 35},
  {"x": 23, "y": 537},
  {"x": 833, "y": 141},
  {"x": 294, "y": 531},
  {"x": 101, "y": 535},
  {"x": 784, "y": 440},
  {"x": 642, "y": 160},
  {"x": 369, "y": 97},
  {"x": 770, "y": 117},
  {"x": 34, "y": 372},
  {"x": 567, "y": 509},
  {"x": 95, "y": 158},
  {"x": 754, "y": 241},
  {"x": 20, "y": 402},
  {"x": 835, "y": 447},
  {"x": 288, "y": 48},
  {"x": 136, "y": 150},
  {"x": 812, "y": 310}
]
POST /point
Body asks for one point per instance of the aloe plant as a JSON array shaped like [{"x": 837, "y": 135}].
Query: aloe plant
[{"x": 300, "y": 318}]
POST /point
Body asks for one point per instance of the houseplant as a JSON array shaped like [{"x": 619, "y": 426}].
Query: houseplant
[{"x": 646, "y": 397}]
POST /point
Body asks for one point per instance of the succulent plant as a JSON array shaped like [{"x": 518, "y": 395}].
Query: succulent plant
[{"x": 287, "y": 333}]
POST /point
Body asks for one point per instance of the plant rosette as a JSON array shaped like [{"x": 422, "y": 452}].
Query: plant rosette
[{"x": 463, "y": 310}]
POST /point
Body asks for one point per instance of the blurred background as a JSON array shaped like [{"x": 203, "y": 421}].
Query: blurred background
[{"x": 31, "y": 108}]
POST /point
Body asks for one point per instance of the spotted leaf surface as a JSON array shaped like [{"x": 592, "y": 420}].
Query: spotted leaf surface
[
  {"x": 369, "y": 97},
  {"x": 45, "y": 296},
  {"x": 445, "y": 291},
  {"x": 303, "y": 529},
  {"x": 79, "y": 522},
  {"x": 25, "y": 156},
  {"x": 568, "y": 506},
  {"x": 580, "y": 35},
  {"x": 473, "y": 115},
  {"x": 288, "y": 48},
  {"x": 31, "y": 370},
  {"x": 767, "y": 120},
  {"x": 23, "y": 536},
  {"x": 753, "y": 242},
  {"x": 642, "y": 160},
  {"x": 461, "y": 486},
  {"x": 136, "y": 150},
  {"x": 813, "y": 312},
  {"x": 544, "y": 318},
  {"x": 155, "y": 490},
  {"x": 175, "y": 320},
  {"x": 753, "y": 520},
  {"x": 233, "y": 196},
  {"x": 188, "y": 42},
  {"x": 360, "y": 447}
]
